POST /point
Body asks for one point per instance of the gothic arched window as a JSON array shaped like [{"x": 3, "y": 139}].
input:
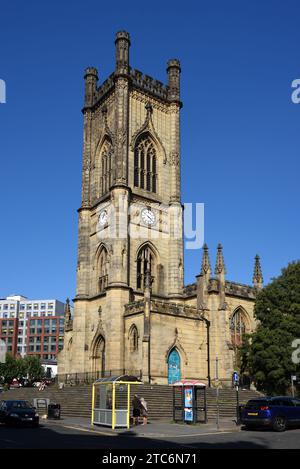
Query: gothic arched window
[
  {"x": 145, "y": 175},
  {"x": 145, "y": 261},
  {"x": 102, "y": 269},
  {"x": 238, "y": 327},
  {"x": 133, "y": 338},
  {"x": 106, "y": 166}
]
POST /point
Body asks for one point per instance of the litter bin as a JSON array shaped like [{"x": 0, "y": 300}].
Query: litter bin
[
  {"x": 54, "y": 411},
  {"x": 241, "y": 408}
]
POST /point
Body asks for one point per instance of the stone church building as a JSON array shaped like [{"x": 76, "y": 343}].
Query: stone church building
[{"x": 132, "y": 312}]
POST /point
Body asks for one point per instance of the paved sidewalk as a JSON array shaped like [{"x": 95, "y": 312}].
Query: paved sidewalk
[{"x": 156, "y": 429}]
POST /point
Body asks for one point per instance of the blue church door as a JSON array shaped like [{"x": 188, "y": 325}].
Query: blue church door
[{"x": 174, "y": 372}]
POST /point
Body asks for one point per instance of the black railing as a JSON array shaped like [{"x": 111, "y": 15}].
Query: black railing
[{"x": 75, "y": 379}]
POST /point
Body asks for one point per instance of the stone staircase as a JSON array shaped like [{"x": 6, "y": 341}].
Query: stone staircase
[{"x": 76, "y": 401}]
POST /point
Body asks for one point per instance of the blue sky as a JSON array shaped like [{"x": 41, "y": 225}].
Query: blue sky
[{"x": 240, "y": 129}]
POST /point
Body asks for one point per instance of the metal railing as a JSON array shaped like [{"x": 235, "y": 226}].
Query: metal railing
[{"x": 75, "y": 379}]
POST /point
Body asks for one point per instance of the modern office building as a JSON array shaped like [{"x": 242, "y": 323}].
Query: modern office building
[{"x": 33, "y": 327}]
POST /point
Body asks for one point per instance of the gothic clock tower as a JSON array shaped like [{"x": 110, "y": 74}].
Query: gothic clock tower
[{"x": 130, "y": 219}]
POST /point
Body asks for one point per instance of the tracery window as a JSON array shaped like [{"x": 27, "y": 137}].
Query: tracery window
[
  {"x": 145, "y": 175},
  {"x": 237, "y": 327},
  {"x": 106, "y": 166}
]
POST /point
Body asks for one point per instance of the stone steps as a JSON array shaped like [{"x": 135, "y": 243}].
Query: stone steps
[{"x": 77, "y": 401}]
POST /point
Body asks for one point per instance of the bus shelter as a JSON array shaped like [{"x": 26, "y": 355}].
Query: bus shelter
[
  {"x": 111, "y": 401},
  {"x": 189, "y": 401}
]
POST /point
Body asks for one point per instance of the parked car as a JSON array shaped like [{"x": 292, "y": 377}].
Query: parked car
[
  {"x": 19, "y": 412},
  {"x": 15, "y": 384},
  {"x": 277, "y": 413}
]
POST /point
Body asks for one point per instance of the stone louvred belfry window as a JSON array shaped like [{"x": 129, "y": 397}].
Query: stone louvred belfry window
[
  {"x": 106, "y": 166},
  {"x": 102, "y": 270},
  {"x": 145, "y": 175},
  {"x": 237, "y": 328},
  {"x": 145, "y": 261}
]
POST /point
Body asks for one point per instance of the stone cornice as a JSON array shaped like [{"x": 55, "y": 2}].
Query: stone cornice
[
  {"x": 89, "y": 298},
  {"x": 163, "y": 307},
  {"x": 231, "y": 289}
]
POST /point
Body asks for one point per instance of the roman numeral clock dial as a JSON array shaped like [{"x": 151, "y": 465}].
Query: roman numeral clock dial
[
  {"x": 148, "y": 217},
  {"x": 103, "y": 217}
]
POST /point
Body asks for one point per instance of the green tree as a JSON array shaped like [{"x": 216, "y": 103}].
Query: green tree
[
  {"x": 33, "y": 368},
  {"x": 13, "y": 368},
  {"x": 267, "y": 353},
  {"x": 17, "y": 368}
]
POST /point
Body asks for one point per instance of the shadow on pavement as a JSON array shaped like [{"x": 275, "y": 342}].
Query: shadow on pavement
[{"x": 62, "y": 438}]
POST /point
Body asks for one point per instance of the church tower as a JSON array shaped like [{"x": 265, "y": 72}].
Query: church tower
[
  {"x": 130, "y": 219},
  {"x": 132, "y": 312}
]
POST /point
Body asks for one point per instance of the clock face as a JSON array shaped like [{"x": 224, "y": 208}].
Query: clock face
[
  {"x": 148, "y": 216},
  {"x": 103, "y": 217}
]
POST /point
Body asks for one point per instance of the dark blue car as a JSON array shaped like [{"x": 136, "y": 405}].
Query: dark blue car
[
  {"x": 18, "y": 413},
  {"x": 277, "y": 413}
]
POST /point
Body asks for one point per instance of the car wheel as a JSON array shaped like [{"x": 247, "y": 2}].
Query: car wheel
[{"x": 279, "y": 424}]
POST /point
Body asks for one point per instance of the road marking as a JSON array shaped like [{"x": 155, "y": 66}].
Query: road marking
[{"x": 69, "y": 427}]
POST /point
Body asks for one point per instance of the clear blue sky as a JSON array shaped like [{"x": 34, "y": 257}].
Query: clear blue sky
[{"x": 240, "y": 130}]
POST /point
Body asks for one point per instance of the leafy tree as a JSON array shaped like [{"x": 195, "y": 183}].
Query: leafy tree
[
  {"x": 12, "y": 368},
  {"x": 267, "y": 353},
  {"x": 18, "y": 368},
  {"x": 33, "y": 368}
]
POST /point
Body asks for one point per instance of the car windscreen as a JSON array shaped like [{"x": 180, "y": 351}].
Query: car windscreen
[
  {"x": 257, "y": 404},
  {"x": 20, "y": 405}
]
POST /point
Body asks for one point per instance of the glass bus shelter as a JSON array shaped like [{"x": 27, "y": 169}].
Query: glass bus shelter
[{"x": 111, "y": 401}]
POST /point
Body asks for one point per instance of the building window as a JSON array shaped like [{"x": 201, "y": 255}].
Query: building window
[
  {"x": 145, "y": 261},
  {"x": 133, "y": 338},
  {"x": 238, "y": 327},
  {"x": 145, "y": 175},
  {"x": 106, "y": 166},
  {"x": 102, "y": 269}
]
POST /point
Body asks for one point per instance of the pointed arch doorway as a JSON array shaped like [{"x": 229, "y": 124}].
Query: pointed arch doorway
[
  {"x": 98, "y": 357},
  {"x": 174, "y": 366}
]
